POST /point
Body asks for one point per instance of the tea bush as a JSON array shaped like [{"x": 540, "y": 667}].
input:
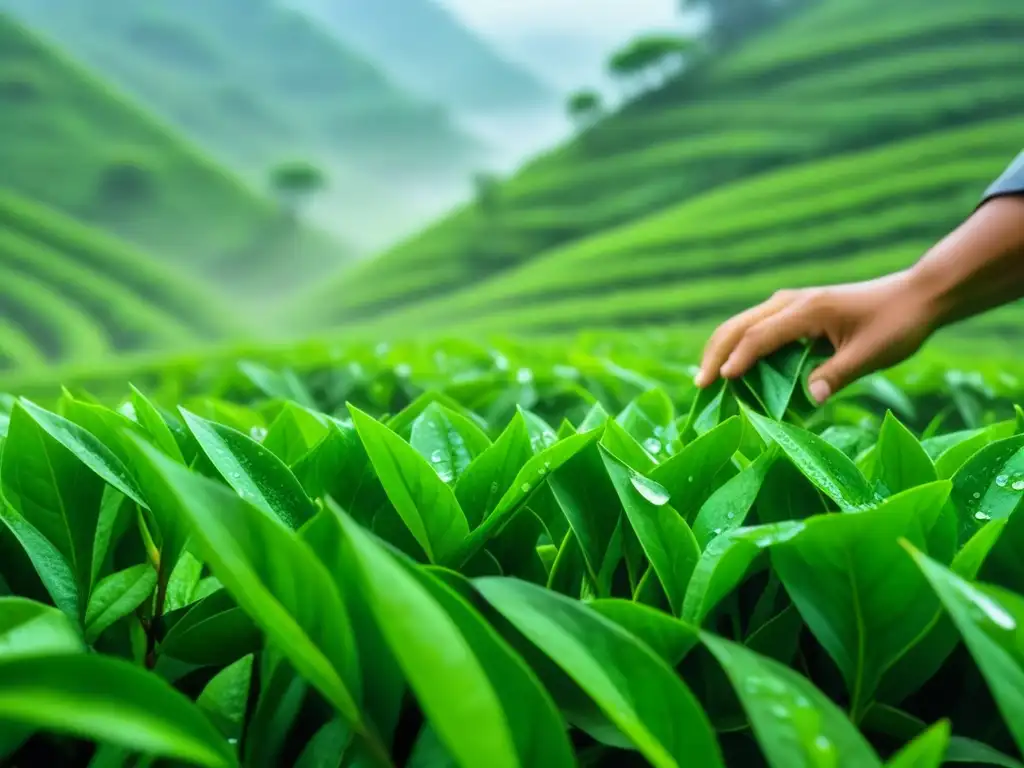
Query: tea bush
[{"x": 607, "y": 568}]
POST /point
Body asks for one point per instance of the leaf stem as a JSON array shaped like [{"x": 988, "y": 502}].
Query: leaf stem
[{"x": 158, "y": 612}]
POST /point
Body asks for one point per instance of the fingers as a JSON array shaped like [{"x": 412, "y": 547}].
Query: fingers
[
  {"x": 849, "y": 363},
  {"x": 724, "y": 340},
  {"x": 795, "y": 322}
]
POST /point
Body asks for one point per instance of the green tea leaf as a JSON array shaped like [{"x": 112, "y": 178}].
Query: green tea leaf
[
  {"x": 225, "y": 697},
  {"x": 689, "y": 476},
  {"x": 285, "y": 384},
  {"x": 533, "y": 473},
  {"x": 253, "y": 471},
  {"x": 28, "y": 628},
  {"x": 294, "y": 432},
  {"x": 153, "y": 423},
  {"x": 214, "y": 632},
  {"x": 52, "y": 567},
  {"x": 668, "y": 637},
  {"x": 447, "y": 440},
  {"x": 855, "y": 588},
  {"x": 926, "y": 751},
  {"x": 774, "y": 378},
  {"x": 54, "y": 492},
  {"x": 650, "y": 420},
  {"x": 924, "y": 659},
  {"x": 795, "y": 723},
  {"x": 824, "y": 465},
  {"x": 901, "y": 462},
  {"x": 990, "y": 484},
  {"x": 587, "y": 498},
  {"x": 108, "y": 700},
  {"x": 963, "y": 750},
  {"x": 954, "y": 450},
  {"x": 664, "y": 535},
  {"x": 436, "y": 655},
  {"x": 989, "y": 619},
  {"x": 275, "y": 577},
  {"x": 727, "y": 508},
  {"x": 633, "y": 687},
  {"x": 617, "y": 441},
  {"x": 427, "y": 506},
  {"x": 490, "y": 475},
  {"x": 726, "y": 562},
  {"x": 117, "y": 596}
]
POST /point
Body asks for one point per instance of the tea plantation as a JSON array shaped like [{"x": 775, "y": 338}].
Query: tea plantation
[
  {"x": 852, "y": 135},
  {"x": 73, "y": 143},
  {"x": 459, "y": 555}
]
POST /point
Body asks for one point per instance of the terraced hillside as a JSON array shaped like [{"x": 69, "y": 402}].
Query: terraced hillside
[
  {"x": 254, "y": 83},
  {"x": 69, "y": 293},
  {"x": 835, "y": 146},
  {"x": 69, "y": 142}
]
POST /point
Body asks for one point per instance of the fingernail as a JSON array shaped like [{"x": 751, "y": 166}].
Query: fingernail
[
  {"x": 699, "y": 379},
  {"x": 820, "y": 390}
]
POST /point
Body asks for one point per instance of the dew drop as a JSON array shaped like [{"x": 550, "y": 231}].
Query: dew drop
[
  {"x": 1002, "y": 480},
  {"x": 977, "y": 495},
  {"x": 258, "y": 434},
  {"x": 822, "y": 744},
  {"x": 802, "y": 702},
  {"x": 525, "y": 487},
  {"x": 542, "y": 471},
  {"x": 649, "y": 489},
  {"x": 717, "y": 532},
  {"x": 731, "y": 515},
  {"x": 652, "y": 445},
  {"x": 1018, "y": 485},
  {"x": 780, "y": 711},
  {"x": 689, "y": 479},
  {"x": 436, "y": 456},
  {"x": 494, "y": 488},
  {"x": 982, "y": 515}
]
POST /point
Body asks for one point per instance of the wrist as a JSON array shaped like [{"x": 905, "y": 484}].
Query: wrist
[{"x": 930, "y": 295}]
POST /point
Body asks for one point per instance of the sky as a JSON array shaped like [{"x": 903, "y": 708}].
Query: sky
[{"x": 565, "y": 41}]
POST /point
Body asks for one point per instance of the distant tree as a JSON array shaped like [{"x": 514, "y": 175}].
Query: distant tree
[
  {"x": 646, "y": 61},
  {"x": 295, "y": 183},
  {"x": 487, "y": 192},
  {"x": 127, "y": 180},
  {"x": 585, "y": 107}
]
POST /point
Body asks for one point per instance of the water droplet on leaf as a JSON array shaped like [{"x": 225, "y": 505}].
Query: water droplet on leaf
[{"x": 649, "y": 489}]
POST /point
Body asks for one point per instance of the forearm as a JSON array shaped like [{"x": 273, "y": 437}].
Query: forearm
[{"x": 977, "y": 267}]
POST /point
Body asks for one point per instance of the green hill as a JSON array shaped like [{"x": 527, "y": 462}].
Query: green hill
[
  {"x": 69, "y": 293},
  {"x": 837, "y": 145},
  {"x": 419, "y": 44},
  {"x": 253, "y": 82},
  {"x": 70, "y": 142}
]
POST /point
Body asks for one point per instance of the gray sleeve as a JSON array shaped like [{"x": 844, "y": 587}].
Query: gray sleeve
[{"x": 1010, "y": 183}]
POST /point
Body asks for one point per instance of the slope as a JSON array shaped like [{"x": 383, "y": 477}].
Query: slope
[
  {"x": 68, "y": 292},
  {"x": 68, "y": 141},
  {"x": 439, "y": 57},
  {"x": 728, "y": 183}
]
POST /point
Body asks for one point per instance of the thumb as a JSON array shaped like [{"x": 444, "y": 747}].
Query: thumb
[{"x": 847, "y": 365}]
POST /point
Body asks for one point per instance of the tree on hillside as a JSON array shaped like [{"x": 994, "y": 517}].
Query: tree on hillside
[
  {"x": 585, "y": 108},
  {"x": 487, "y": 192},
  {"x": 731, "y": 21},
  {"x": 647, "y": 61},
  {"x": 295, "y": 183}
]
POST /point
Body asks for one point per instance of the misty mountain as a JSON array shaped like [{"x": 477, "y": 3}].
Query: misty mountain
[
  {"x": 254, "y": 82},
  {"x": 426, "y": 49}
]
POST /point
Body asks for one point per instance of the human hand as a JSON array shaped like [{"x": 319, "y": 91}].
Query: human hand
[{"x": 871, "y": 325}]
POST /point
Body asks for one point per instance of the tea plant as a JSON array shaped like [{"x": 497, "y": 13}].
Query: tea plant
[{"x": 739, "y": 581}]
